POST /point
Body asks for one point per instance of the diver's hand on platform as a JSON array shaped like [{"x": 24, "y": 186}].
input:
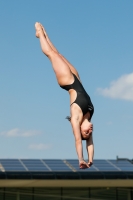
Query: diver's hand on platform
[{"x": 83, "y": 164}]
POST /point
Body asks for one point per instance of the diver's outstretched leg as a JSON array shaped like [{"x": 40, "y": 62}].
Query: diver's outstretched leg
[
  {"x": 72, "y": 68},
  {"x": 61, "y": 69}
]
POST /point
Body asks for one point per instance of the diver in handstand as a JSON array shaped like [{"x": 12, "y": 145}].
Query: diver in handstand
[{"x": 81, "y": 107}]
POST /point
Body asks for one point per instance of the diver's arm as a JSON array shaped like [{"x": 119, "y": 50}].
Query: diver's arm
[
  {"x": 78, "y": 142},
  {"x": 90, "y": 149}
]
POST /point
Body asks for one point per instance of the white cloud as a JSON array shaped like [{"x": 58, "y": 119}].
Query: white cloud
[
  {"x": 19, "y": 133},
  {"x": 122, "y": 88},
  {"x": 40, "y": 146}
]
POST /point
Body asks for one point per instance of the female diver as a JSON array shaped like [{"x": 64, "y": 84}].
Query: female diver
[{"x": 81, "y": 108}]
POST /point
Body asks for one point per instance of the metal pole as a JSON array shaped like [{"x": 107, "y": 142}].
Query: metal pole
[
  {"x": 4, "y": 195},
  {"x": 131, "y": 193},
  {"x": 18, "y": 196},
  {"x": 61, "y": 192},
  {"x": 116, "y": 194},
  {"x": 32, "y": 193}
]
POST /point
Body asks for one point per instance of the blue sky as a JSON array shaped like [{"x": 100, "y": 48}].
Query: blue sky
[{"x": 97, "y": 38}]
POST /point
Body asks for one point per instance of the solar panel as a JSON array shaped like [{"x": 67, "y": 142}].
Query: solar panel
[
  {"x": 14, "y": 168},
  {"x": 34, "y": 165},
  {"x": 53, "y": 161},
  {"x": 69, "y": 165},
  {"x": 126, "y": 168},
  {"x": 123, "y": 165},
  {"x": 100, "y": 162},
  {"x": 31, "y": 161},
  {"x": 57, "y": 165},
  {"x": 107, "y": 169},
  {"x": 12, "y": 165},
  {"x": 9, "y": 162},
  {"x": 104, "y": 165}
]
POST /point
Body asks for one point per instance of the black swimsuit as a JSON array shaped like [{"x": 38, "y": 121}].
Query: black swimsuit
[{"x": 83, "y": 100}]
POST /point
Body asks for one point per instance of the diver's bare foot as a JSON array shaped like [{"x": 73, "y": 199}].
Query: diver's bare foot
[
  {"x": 39, "y": 29},
  {"x": 83, "y": 164},
  {"x": 45, "y": 34}
]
